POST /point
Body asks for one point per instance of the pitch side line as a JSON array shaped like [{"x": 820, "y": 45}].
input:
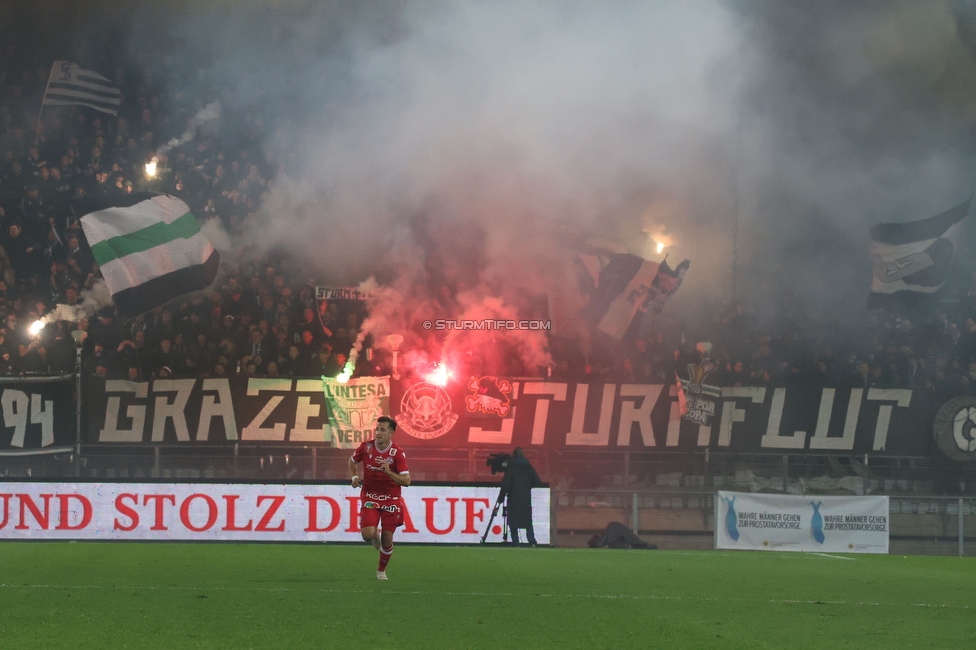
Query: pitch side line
[{"x": 478, "y": 594}]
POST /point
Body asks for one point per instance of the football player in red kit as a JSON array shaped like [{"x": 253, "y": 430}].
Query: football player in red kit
[{"x": 384, "y": 473}]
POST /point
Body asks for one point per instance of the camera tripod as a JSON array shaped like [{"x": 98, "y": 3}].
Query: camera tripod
[{"x": 504, "y": 506}]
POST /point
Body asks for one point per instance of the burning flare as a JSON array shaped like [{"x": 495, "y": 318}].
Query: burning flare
[{"x": 439, "y": 376}]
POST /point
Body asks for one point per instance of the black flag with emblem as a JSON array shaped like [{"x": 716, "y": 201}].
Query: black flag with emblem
[{"x": 911, "y": 261}]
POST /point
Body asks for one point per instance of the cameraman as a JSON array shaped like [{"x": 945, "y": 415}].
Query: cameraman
[{"x": 520, "y": 478}]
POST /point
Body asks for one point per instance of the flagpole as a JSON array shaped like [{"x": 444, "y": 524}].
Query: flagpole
[{"x": 37, "y": 130}]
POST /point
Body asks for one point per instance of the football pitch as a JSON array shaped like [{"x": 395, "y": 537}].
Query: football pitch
[{"x": 153, "y": 595}]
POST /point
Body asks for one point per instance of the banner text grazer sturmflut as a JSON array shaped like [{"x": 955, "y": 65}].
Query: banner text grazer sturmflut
[{"x": 489, "y": 411}]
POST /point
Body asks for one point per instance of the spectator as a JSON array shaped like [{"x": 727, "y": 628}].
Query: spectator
[
  {"x": 161, "y": 327},
  {"x": 79, "y": 262},
  {"x": 163, "y": 356},
  {"x": 7, "y": 358},
  {"x": 202, "y": 353},
  {"x": 22, "y": 251},
  {"x": 292, "y": 364},
  {"x": 97, "y": 359},
  {"x": 6, "y": 267}
]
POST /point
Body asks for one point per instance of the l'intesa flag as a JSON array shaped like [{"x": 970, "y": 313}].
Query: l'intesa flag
[
  {"x": 69, "y": 85},
  {"x": 353, "y": 407},
  {"x": 627, "y": 287},
  {"x": 912, "y": 260},
  {"x": 150, "y": 250}
]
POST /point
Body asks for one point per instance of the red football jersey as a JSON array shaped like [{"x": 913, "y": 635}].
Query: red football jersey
[{"x": 377, "y": 486}]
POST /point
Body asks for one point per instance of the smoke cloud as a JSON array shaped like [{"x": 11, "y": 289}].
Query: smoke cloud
[{"x": 452, "y": 151}]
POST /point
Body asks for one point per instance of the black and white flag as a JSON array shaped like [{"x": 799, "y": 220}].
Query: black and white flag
[
  {"x": 912, "y": 260},
  {"x": 69, "y": 85},
  {"x": 150, "y": 250},
  {"x": 629, "y": 285}
]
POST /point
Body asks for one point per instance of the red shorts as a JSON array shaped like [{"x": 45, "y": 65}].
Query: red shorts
[{"x": 372, "y": 513}]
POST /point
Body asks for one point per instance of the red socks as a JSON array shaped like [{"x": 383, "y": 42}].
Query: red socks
[{"x": 385, "y": 555}]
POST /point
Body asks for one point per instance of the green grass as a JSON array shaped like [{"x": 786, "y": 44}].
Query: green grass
[{"x": 90, "y": 595}]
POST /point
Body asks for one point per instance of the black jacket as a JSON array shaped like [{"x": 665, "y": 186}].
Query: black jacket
[{"x": 520, "y": 478}]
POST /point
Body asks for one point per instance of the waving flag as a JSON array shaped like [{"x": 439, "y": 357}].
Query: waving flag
[
  {"x": 150, "y": 250},
  {"x": 583, "y": 261},
  {"x": 912, "y": 260},
  {"x": 69, "y": 85},
  {"x": 628, "y": 286}
]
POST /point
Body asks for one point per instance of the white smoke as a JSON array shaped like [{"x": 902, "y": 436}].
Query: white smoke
[
  {"x": 208, "y": 116},
  {"x": 91, "y": 301},
  {"x": 218, "y": 236}
]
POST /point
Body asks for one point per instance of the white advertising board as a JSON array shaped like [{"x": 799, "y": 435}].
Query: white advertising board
[
  {"x": 245, "y": 512},
  {"x": 771, "y": 522}
]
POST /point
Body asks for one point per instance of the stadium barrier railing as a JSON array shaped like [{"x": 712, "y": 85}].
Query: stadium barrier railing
[
  {"x": 919, "y": 525},
  {"x": 667, "y": 497},
  {"x": 562, "y": 468}
]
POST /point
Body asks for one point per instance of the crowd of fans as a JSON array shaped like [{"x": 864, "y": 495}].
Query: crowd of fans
[
  {"x": 262, "y": 317},
  {"x": 935, "y": 352}
]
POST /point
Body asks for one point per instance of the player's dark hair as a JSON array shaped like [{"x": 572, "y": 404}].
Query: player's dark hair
[
  {"x": 518, "y": 453},
  {"x": 391, "y": 421}
]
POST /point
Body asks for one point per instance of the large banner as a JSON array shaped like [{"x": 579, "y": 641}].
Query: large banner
[
  {"x": 752, "y": 419},
  {"x": 38, "y": 415},
  {"x": 770, "y": 522},
  {"x": 246, "y": 512},
  {"x": 506, "y": 412}
]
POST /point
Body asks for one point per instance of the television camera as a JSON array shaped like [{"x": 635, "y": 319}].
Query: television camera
[{"x": 498, "y": 463}]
